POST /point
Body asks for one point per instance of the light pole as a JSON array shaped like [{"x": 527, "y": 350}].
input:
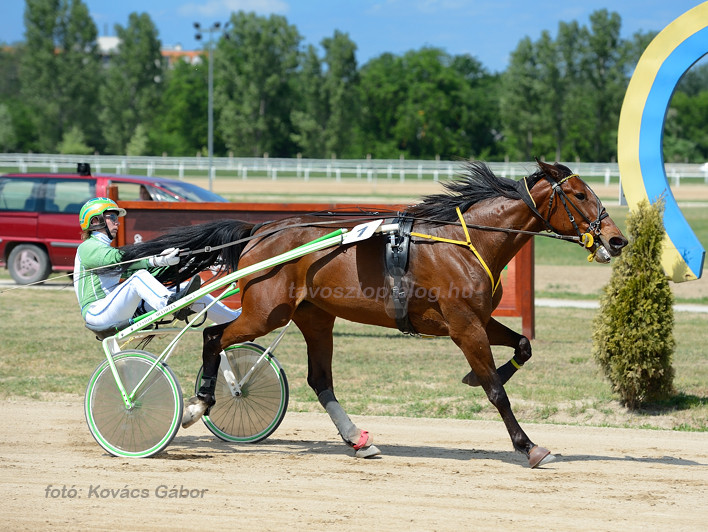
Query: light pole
[{"x": 215, "y": 27}]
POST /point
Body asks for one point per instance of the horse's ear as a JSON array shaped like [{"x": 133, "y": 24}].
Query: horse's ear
[{"x": 550, "y": 170}]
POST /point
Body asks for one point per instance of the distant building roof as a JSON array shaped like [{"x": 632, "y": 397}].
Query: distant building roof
[
  {"x": 109, "y": 45},
  {"x": 193, "y": 57}
]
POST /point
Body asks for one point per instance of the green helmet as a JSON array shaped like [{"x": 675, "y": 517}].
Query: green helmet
[{"x": 96, "y": 207}]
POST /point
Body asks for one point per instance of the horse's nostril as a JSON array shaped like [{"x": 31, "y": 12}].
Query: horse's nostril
[{"x": 618, "y": 242}]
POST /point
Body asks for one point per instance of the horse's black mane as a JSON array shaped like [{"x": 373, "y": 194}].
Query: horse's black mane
[{"x": 476, "y": 183}]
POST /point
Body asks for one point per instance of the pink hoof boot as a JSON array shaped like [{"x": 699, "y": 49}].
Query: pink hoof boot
[
  {"x": 540, "y": 456},
  {"x": 364, "y": 447}
]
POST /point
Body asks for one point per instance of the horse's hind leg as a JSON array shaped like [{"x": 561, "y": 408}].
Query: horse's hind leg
[
  {"x": 474, "y": 344},
  {"x": 316, "y": 326},
  {"x": 499, "y": 334}
]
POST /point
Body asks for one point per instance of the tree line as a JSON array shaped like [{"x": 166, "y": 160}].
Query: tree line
[{"x": 559, "y": 98}]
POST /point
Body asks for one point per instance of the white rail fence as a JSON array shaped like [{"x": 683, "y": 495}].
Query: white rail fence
[{"x": 306, "y": 169}]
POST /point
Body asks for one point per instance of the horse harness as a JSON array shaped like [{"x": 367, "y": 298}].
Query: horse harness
[
  {"x": 396, "y": 253},
  {"x": 397, "y": 248}
]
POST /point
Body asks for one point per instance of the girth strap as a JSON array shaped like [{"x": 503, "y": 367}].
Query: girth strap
[{"x": 396, "y": 263}]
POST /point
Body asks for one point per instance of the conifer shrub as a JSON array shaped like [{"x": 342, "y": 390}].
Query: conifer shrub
[{"x": 633, "y": 337}]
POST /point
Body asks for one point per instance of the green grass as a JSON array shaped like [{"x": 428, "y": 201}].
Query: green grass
[{"x": 47, "y": 350}]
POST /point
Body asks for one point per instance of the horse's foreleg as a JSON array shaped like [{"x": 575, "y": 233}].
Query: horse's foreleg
[
  {"x": 316, "y": 327},
  {"x": 478, "y": 352},
  {"x": 499, "y": 334}
]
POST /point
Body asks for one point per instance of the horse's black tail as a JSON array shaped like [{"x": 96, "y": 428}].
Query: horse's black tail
[{"x": 195, "y": 238}]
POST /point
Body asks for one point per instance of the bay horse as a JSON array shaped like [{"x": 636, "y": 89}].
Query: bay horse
[{"x": 460, "y": 242}]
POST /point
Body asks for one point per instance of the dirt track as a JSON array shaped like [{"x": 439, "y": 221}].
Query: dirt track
[{"x": 433, "y": 475}]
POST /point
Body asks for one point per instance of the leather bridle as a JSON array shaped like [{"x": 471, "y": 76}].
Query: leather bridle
[{"x": 586, "y": 239}]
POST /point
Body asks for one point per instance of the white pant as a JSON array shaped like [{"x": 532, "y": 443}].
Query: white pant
[
  {"x": 122, "y": 302},
  {"x": 218, "y": 312}
]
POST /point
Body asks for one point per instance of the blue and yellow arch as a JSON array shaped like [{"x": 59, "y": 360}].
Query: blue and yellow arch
[{"x": 641, "y": 128}]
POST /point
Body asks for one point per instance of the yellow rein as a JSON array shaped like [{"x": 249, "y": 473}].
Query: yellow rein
[{"x": 467, "y": 243}]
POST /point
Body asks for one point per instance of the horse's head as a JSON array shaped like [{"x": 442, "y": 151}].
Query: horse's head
[{"x": 574, "y": 209}]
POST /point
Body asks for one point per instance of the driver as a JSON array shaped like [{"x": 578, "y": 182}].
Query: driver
[{"x": 103, "y": 298}]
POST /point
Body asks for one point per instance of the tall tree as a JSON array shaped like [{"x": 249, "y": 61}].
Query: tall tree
[
  {"x": 427, "y": 104},
  {"x": 604, "y": 67},
  {"x": 548, "y": 141},
  {"x": 685, "y": 135},
  {"x": 254, "y": 73},
  {"x": 478, "y": 110},
  {"x": 325, "y": 119},
  {"x": 309, "y": 117},
  {"x": 562, "y": 98},
  {"x": 182, "y": 127},
  {"x": 520, "y": 101},
  {"x": 8, "y": 138},
  {"x": 10, "y": 58},
  {"x": 571, "y": 132},
  {"x": 561, "y": 101},
  {"x": 425, "y": 127},
  {"x": 381, "y": 92},
  {"x": 12, "y": 106},
  {"x": 134, "y": 82},
  {"x": 339, "y": 88},
  {"x": 60, "y": 69}
]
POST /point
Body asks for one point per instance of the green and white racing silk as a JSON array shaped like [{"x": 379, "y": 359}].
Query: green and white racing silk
[{"x": 90, "y": 286}]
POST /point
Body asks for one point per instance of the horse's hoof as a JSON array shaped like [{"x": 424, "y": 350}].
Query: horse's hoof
[
  {"x": 540, "y": 456},
  {"x": 367, "y": 452},
  {"x": 470, "y": 379},
  {"x": 193, "y": 410},
  {"x": 365, "y": 447}
]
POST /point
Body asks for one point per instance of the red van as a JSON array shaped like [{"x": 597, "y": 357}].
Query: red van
[{"x": 39, "y": 214}]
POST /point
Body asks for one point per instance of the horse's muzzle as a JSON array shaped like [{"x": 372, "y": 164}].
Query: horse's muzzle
[
  {"x": 608, "y": 248},
  {"x": 615, "y": 244}
]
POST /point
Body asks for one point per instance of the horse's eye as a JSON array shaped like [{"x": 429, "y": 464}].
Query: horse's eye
[{"x": 580, "y": 196}]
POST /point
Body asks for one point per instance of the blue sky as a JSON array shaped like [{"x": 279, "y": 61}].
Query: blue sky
[{"x": 486, "y": 29}]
